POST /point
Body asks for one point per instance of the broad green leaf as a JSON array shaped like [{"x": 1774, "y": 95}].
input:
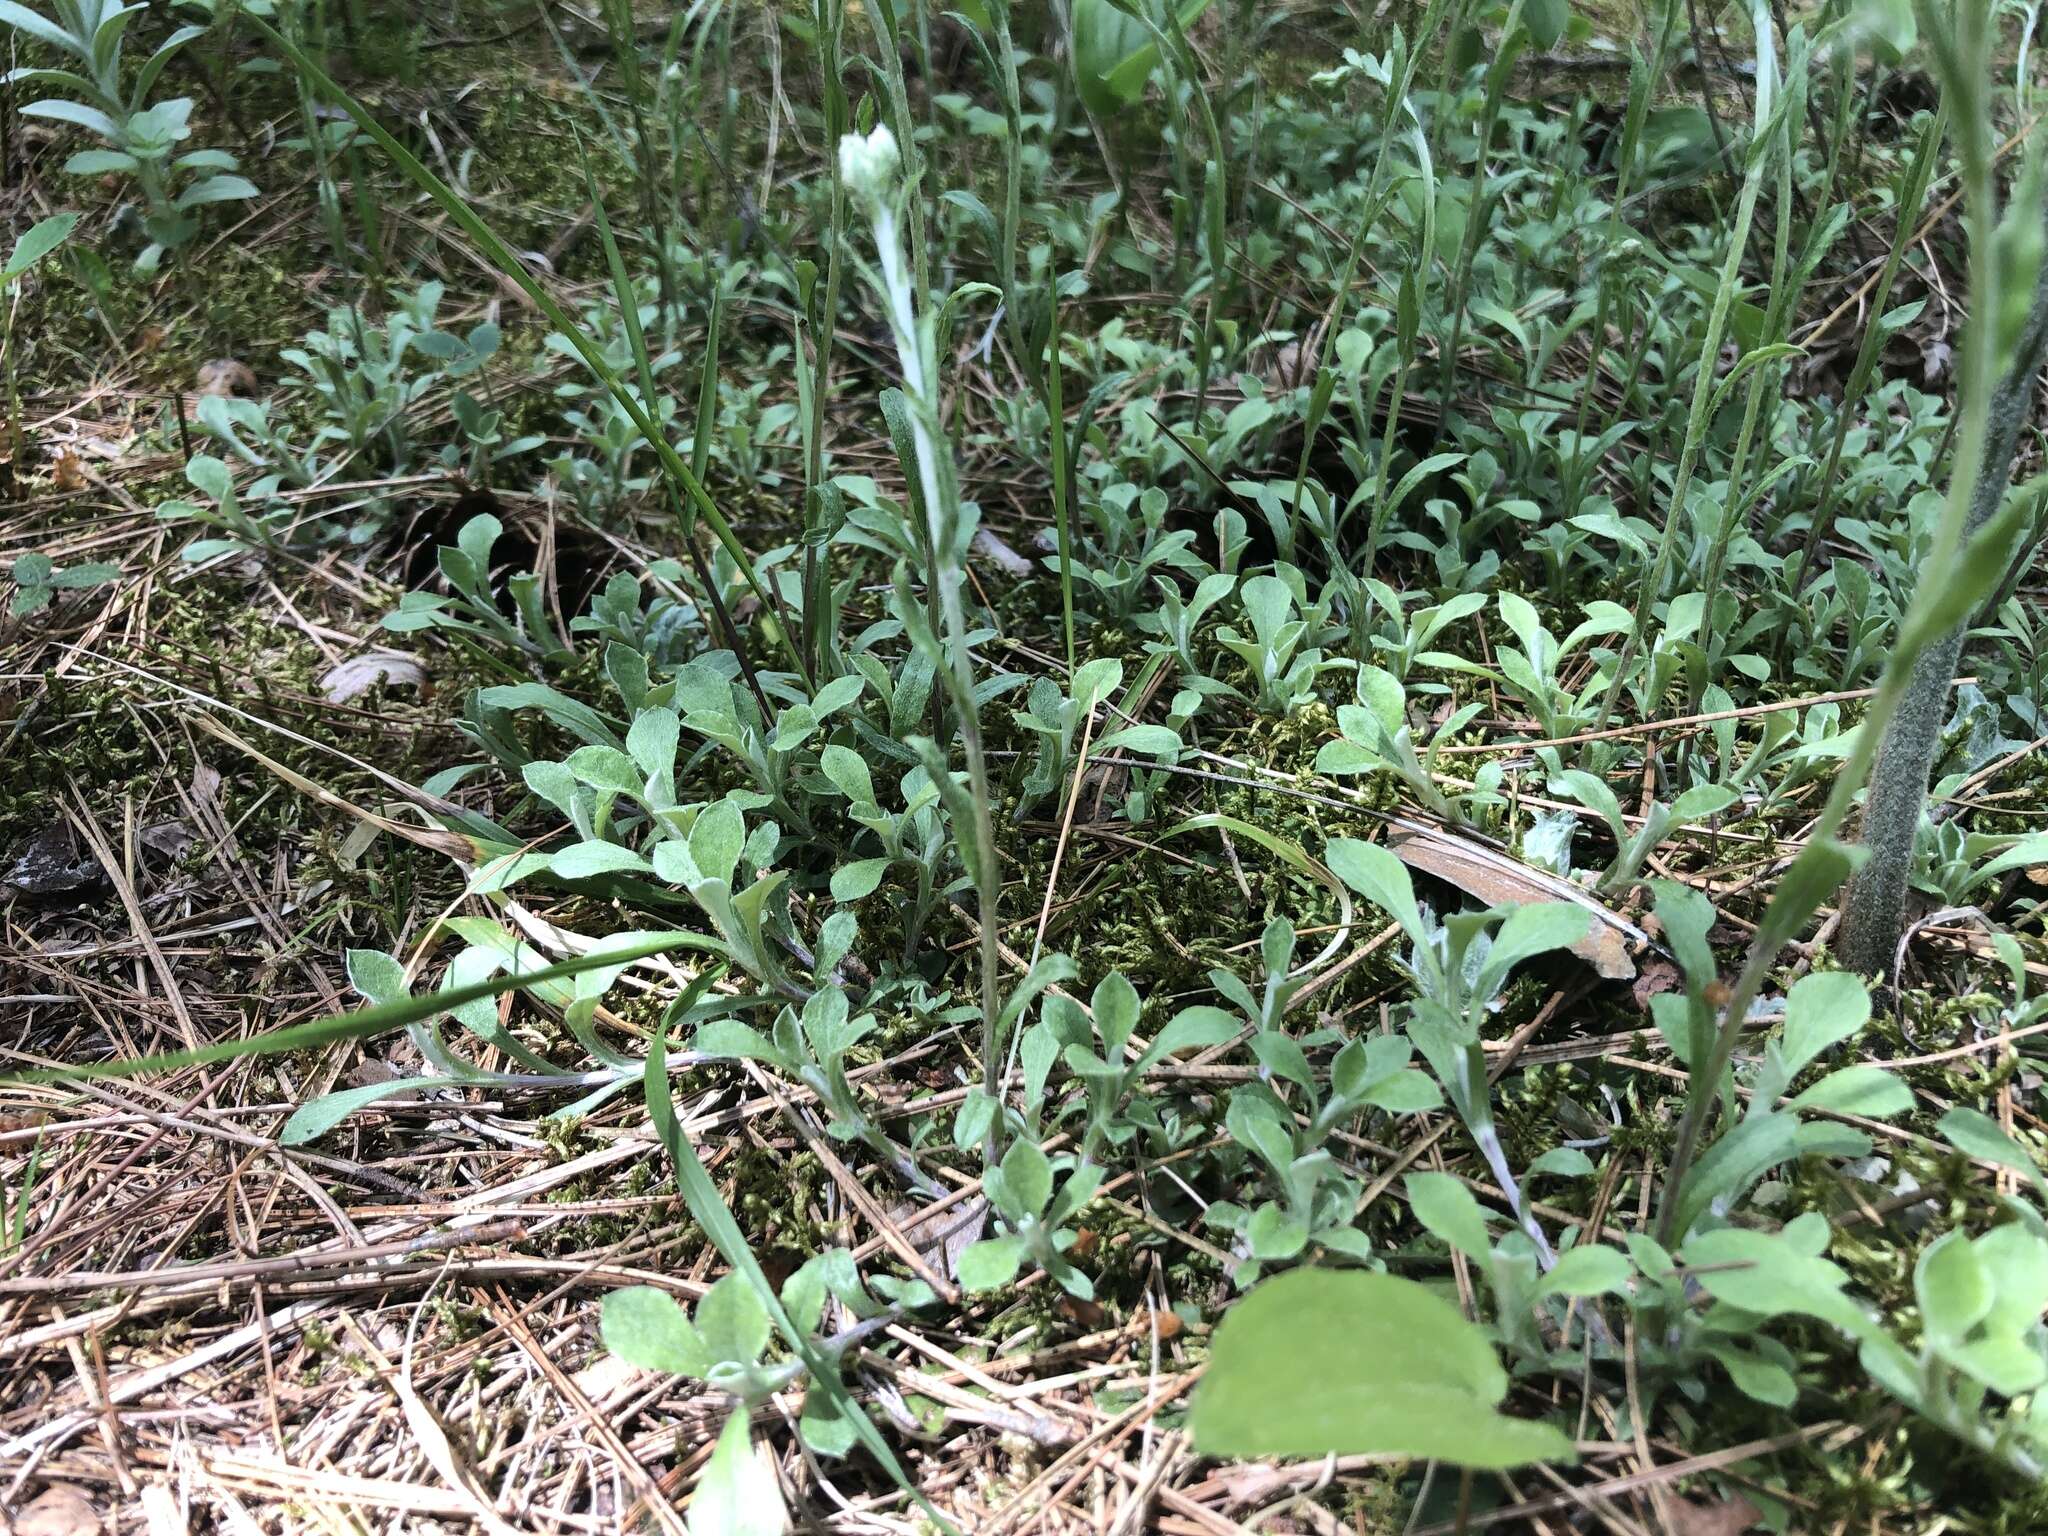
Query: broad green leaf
[
  {"x": 1545, "y": 20},
  {"x": 1275, "y": 1236},
  {"x": 1115, "y": 53},
  {"x": 738, "y": 1493},
  {"x": 848, "y": 773},
  {"x": 606, "y": 768},
  {"x": 1535, "y": 930},
  {"x": 731, "y": 1040},
  {"x": 378, "y": 977},
  {"x": 1950, "y": 1283},
  {"x": 1859, "y": 1090},
  {"x": 1563, "y": 1162},
  {"x": 648, "y": 1328},
  {"x": 2027, "y": 851},
  {"x": 991, "y": 1263},
  {"x": 1764, "y": 1380},
  {"x": 1444, "y": 1205},
  {"x": 1762, "y": 1272},
  {"x": 1115, "y": 1006},
  {"x": 652, "y": 742},
  {"x": 1589, "y": 1270},
  {"x": 316, "y": 1117},
  {"x": 1152, "y": 740},
  {"x": 1027, "y": 1176},
  {"x": 851, "y": 882},
  {"x": 732, "y": 1322},
  {"x": 1323, "y": 1362},
  {"x": 717, "y": 840},
  {"x": 1379, "y": 877},
  {"x": 1822, "y": 1010},
  {"x": 1974, "y": 1132},
  {"x": 1701, "y": 802},
  {"x": 587, "y": 861},
  {"x": 43, "y": 237}
]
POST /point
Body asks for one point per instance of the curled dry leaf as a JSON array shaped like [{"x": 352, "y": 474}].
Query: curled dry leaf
[
  {"x": 49, "y": 863},
  {"x": 357, "y": 675},
  {"x": 226, "y": 376},
  {"x": 943, "y": 1236},
  {"x": 993, "y": 549},
  {"x": 1493, "y": 877}
]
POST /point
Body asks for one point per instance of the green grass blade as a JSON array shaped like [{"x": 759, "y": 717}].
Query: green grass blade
[
  {"x": 707, "y": 386},
  {"x": 377, "y": 1019},
  {"x": 1056, "y": 414}
]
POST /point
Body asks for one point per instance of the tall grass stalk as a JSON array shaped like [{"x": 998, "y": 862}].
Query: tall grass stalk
[
  {"x": 1912, "y": 195},
  {"x": 1056, "y": 426},
  {"x": 1767, "y": 102},
  {"x": 1765, "y": 361},
  {"x": 871, "y": 169},
  {"x": 647, "y": 159},
  {"x": 1644, "y": 74},
  {"x": 1953, "y": 577},
  {"x": 1043, "y": 372},
  {"x": 829, "y": 17},
  {"x": 1215, "y": 194}
]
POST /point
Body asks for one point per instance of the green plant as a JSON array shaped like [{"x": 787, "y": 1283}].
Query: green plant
[
  {"x": 1701, "y": 803},
  {"x": 37, "y": 580},
  {"x": 470, "y": 607},
  {"x": 36, "y": 242},
  {"x": 1092, "y": 1045},
  {"x": 239, "y": 530},
  {"x": 1054, "y": 719},
  {"x": 1317, "y": 1201},
  {"x": 140, "y": 136},
  {"x": 369, "y": 375},
  {"x": 1535, "y": 672},
  {"x": 1413, "y": 1378},
  {"x": 1124, "y": 546},
  {"x": 811, "y": 1047},
  {"x": 721, "y": 1343},
  {"x": 1375, "y": 737},
  {"x": 1281, "y": 651},
  {"x": 871, "y": 169},
  {"x": 1037, "y": 1215},
  {"x": 1460, "y": 966}
]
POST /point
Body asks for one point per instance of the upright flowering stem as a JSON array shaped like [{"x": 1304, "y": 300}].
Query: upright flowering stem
[{"x": 870, "y": 169}]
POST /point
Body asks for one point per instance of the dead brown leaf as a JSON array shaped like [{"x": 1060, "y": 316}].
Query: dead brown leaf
[
  {"x": 67, "y": 473},
  {"x": 1722, "y": 1517},
  {"x": 943, "y": 1236},
  {"x": 226, "y": 376},
  {"x": 1495, "y": 878},
  {"x": 59, "y": 1510},
  {"x": 1657, "y": 976}
]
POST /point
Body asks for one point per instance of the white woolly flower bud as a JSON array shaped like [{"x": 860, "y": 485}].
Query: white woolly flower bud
[{"x": 869, "y": 166}]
